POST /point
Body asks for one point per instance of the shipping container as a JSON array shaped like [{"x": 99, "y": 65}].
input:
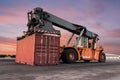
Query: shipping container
[{"x": 38, "y": 49}]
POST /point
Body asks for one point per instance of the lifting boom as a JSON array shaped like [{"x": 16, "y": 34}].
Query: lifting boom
[{"x": 40, "y": 18}]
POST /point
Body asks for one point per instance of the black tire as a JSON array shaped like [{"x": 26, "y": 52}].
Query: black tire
[
  {"x": 69, "y": 56},
  {"x": 86, "y": 61},
  {"x": 102, "y": 57}
]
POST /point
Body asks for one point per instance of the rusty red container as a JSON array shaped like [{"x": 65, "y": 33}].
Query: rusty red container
[{"x": 38, "y": 49}]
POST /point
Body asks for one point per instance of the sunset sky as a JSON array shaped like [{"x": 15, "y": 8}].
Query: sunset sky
[{"x": 99, "y": 16}]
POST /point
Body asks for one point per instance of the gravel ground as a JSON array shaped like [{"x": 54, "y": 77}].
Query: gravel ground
[{"x": 110, "y": 70}]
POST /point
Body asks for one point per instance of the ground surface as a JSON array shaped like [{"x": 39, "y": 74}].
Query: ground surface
[{"x": 110, "y": 70}]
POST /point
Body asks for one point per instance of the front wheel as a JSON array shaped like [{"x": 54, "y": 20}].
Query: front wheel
[
  {"x": 102, "y": 57},
  {"x": 69, "y": 56}
]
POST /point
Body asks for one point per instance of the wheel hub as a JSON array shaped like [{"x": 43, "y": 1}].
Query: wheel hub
[{"x": 71, "y": 56}]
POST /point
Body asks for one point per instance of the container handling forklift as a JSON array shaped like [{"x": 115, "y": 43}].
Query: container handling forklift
[{"x": 85, "y": 45}]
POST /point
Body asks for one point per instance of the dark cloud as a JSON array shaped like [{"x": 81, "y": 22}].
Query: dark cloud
[
  {"x": 97, "y": 24},
  {"x": 98, "y": 8}
]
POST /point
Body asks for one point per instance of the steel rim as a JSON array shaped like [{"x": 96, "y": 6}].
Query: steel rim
[
  {"x": 102, "y": 57},
  {"x": 71, "y": 56}
]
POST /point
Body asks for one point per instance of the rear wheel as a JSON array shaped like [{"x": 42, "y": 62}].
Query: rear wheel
[
  {"x": 69, "y": 56},
  {"x": 102, "y": 57}
]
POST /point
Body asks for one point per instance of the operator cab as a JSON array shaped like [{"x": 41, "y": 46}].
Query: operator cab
[{"x": 85, "y": 42}]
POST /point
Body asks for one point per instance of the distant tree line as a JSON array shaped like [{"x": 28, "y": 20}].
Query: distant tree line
[{"x": 3, "y": 55}]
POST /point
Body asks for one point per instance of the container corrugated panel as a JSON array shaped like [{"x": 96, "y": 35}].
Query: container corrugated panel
[
  {"x": 25, "y": 50},
  {"x": 38, "y": 49}
]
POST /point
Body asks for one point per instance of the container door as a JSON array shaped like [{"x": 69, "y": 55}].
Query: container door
[
  {"x": 41, "y": 50},
  {"x": 47, "y": 50},
  {"x": 53, "y": 50}
]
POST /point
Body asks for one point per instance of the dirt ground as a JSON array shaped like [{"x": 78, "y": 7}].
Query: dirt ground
[{"x": 110, "y": 70}]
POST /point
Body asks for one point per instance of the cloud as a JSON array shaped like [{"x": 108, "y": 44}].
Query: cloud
[
  {"x": 7, "y": 48},
  {"x": 98, "y": 7},
  {"x": 115, "y": 33},
  {"x": 13, "y": 16},
  {"x": 7, "y": 40},
  {"x": 87, "y": 13},
  {"x": 7, "y": 45},
  {"x": 112, "y": 47}
]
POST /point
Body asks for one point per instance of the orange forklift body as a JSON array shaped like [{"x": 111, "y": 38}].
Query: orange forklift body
[{"x": 84, "y": 53}]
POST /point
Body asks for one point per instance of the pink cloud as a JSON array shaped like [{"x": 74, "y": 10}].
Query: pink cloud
[
  {"x": 7, "y": 40},
  {"x": 7, "y": 45},
  {"x": 112, "y": 47},
  {"x": 13, "y": 16},
  {"x": 7, "y": 48},
  {"x": 114, "y": 33}
]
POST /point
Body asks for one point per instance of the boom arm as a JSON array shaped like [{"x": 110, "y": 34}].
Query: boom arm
[{"x": 41, "y": 18}]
